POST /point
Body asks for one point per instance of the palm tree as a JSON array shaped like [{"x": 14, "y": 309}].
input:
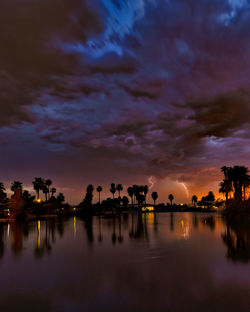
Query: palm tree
[
  {"x": 119, "y": 188},
  {"x": 38, "y": 184},
  {"x": 16, "y": 185},
  {"x": 99, "y": 190},
  {"x": 113, "y": 189},
  {"x": 140, "y": 199},
  {"x": 171, "y": 198},
  {"x": 226, "y": 188},
  {"x": 45, "y": 191},
  {"x": 89, "y": 194},
  {"x": 238, "y": 176},
  {"x": 225, "y": 170},
  {"x": 131, "y": 194},
  {"x": 136, "y": 190},
  {"x": 48, "y": 183},
  {"x": 154, "y": 196},
  {"x": 194, "y": 199},
  {"x": 145, "y": 191}
]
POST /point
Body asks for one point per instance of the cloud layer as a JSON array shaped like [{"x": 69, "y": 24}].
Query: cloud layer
[{"x": 95, "y": 92}]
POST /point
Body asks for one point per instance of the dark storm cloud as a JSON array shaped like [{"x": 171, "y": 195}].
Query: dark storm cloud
[
  {"x": 63, "y": 89},
  {"x": 146, "y": 88},
  {"x": 29, "y": 56},
  {"x": 222, "y": 114},
  {"x": 13, "y": 98},
  {"x": 158, "y": 87},
  {"x": 114, "y": 64},
  {"x": 29, "y": 30}
]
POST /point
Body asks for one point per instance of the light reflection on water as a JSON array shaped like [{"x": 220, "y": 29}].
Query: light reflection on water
[{"x": 148, "y": 262}]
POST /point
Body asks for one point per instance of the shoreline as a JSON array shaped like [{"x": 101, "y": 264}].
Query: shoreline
[{"x": 108, "y": 214}]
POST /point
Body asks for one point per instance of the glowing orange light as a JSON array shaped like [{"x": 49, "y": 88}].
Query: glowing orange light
[
  {"x": 148, "y": 208},
  {"x": 74, "y": 226},
  {"x": 38, "y": 233}
]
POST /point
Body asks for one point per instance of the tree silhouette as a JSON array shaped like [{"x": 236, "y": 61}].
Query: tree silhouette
[
  {"x": 89, "y": 195},
  {"x": 3, "y": 195},
  {"x": 45, "y": 191},
  {"x": 119, "y": 188},
  {"x": 28, "y": 199},
  {"x": 60, "y": 198},
  {"x": 154, "y": 196},
  {"x": 125, "y": 201},
  {"x": 208, "y": 200},
  {"x": 113, "y": 189},
  {"x": 194, "y": 199},
  {"x": 38, "y": 184},
  {"x": 138, "y": 194},
  {"x": 136, "y": 190},
  {"x": 87, "y": 201},
  {"x": 239, "y": 177},
  {"x": 140, "y": 199},
  {"x": 16, "y": 185},
  {"x": 210, "y": 197},
  {"x": 48, "y": 183},
  {"x": 130, "y": 191},
  {"x": 53, "y": 191},
  {"x": 171, "y": 198},
  {"x": 226, "y": 188},
  {"x": 99, "y": 190}
]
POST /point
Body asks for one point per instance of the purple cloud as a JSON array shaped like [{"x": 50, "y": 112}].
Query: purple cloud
[{"x": 149, "y": 88}]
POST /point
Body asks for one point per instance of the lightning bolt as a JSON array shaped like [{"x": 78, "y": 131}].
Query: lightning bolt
[
  {"x": 185, "y": 188},
  {"x": 151, "y": 182}
]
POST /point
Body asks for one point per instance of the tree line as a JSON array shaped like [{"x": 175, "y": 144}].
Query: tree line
[
  {"x": 235, "y": 185},
  {"x": 236, "y": 181},
  {"x": 136, "y": 193},
  {"x": 40, "y": 185}
]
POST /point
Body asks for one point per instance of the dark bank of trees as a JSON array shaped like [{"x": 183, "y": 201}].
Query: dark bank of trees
[
  {"x": 235, "y": 187},
  {"x": 22, "y": 202},
  {"x": 3, "y": 194},
  {"x": 135, "y": 198},
  {"x": 236, "y": 180},
  {"x": 44, "y": 186}
]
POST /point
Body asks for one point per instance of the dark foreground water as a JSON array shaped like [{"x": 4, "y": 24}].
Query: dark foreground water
[{"x": 183, "y": 262}]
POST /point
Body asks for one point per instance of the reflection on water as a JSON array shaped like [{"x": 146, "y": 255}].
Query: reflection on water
[
  {"x": 131, "y": 226},
  {"x": 74, "y": 226},
  {"x": 237, "y": 240},
  {"x": 137, "y": 262}
]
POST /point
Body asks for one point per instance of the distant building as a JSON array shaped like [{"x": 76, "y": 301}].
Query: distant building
[{"x": 148, "y": 208}]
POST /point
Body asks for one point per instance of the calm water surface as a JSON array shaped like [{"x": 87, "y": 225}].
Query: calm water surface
[{"x": 162, "y": 262}]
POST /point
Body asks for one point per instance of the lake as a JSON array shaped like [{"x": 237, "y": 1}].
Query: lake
[{"x": 149, "y": 262}]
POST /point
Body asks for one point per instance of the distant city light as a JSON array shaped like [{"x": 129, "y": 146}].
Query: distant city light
[{"x": 148, "y": 208}]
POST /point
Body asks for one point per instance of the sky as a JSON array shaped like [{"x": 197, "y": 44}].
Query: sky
[{"x": 127, "y": 91}]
